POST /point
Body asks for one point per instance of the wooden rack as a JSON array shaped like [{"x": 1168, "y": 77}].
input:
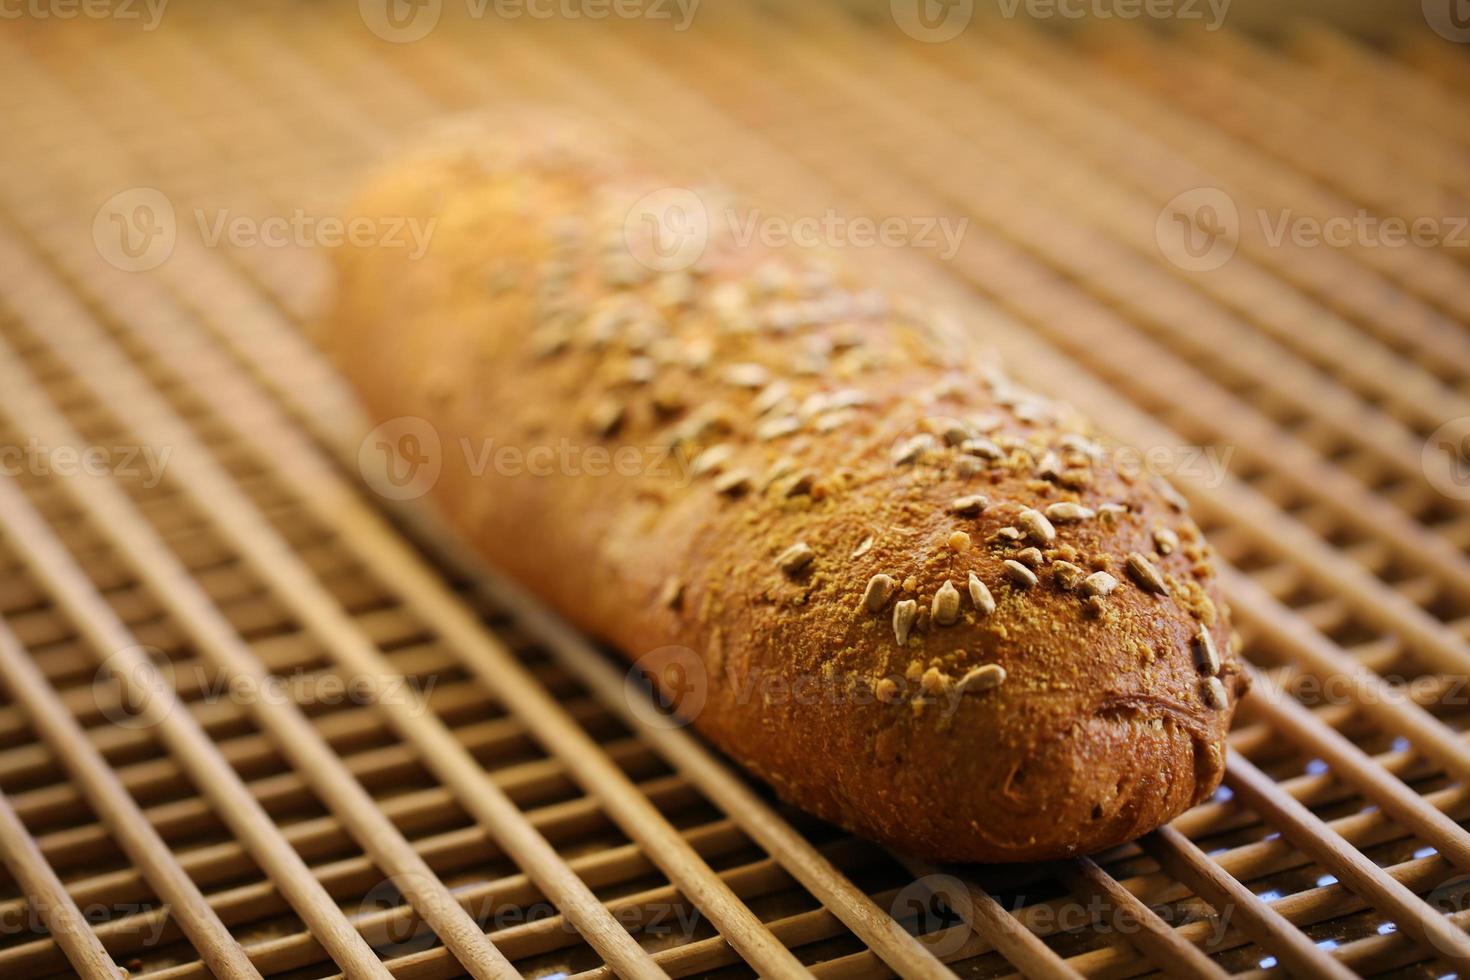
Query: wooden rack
[{"x": 489, "y": 802}]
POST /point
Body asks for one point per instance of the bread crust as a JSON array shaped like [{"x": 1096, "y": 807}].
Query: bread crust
[{"x": 789, "y": 436}]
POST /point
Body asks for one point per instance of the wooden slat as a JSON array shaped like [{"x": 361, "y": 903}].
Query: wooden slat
[
  {"x": 290, "y": 731},
  {"x": 47, "y": 895},
  {"x": 805, "y": 105},
  {"x": 1138, "y": 923},
  {"x": 118, "y": 811},
  {"x": 1181, "y": 858},
  {"x": 214, "y": 494},
  {"x": 1307, "y": 831},
  {"x": 119, "y": 653}
]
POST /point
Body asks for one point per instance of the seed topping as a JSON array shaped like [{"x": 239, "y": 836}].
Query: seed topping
[
  {"x": 946, "y": 606},
  {"x": 775, "y": 428},
  {"x": 969, "y": 506},
  {"x": 980, "y": 595},
  {"x": 1146, "y": 575},
  {"x": 1019, "y": 574},
  {"x": 1206, "y": 655},
  {"x": 1214, "y": 693},
  {"x": 1098, "y": 584},
  {"x": 984, "y": 678},
  {"x": 1031, "y": 557},
  {"x": 911, "y": 449},
  {"x": 1035, "y": 524},
  {"x": 605, "y": 417},
  {"x": 903, "y": 619},
  {"x": 711, "y": 460},
  {"x": 747, "y": 375},
  {"x": 1066, "y": 512},
  {"x": 1067, "y": 574},
  {"x": 795, "y": 558},
  {"x": 734, "y": 483},
  {"x": 672, "y": 594},
  {"x": 880, "y": 589}
]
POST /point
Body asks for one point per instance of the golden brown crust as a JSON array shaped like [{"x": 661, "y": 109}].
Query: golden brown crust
[{"x": 822, "y": 436}]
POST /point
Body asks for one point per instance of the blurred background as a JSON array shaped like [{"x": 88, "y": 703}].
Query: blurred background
[{"x": 1235, "y": 231}]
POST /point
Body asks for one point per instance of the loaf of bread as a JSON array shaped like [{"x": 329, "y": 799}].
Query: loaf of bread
[{"x": 918, "y": 600}]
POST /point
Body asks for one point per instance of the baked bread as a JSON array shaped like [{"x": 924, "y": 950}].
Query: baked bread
[{"x": 919, "y": 601}]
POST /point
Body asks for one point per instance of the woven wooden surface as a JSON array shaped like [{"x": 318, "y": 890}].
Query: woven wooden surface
[{"x": 1247, "y": 253}]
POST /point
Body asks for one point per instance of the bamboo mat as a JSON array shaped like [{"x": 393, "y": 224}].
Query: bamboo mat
[{"x": 1195, "y": 234}]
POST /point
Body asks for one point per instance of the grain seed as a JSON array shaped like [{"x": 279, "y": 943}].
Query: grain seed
[
  {"x": 969, "y": 506},
  {"x": 1165, "y": 541},
  {"x": 1215, "y": 694},
  {"x": 771, "y": 396},
  {"x": 984, "y": 448},
  {"x": 734, "y": 483},
  {"x": 984, "y": 678},
  {"x": 1031, "y": 557},
  {"x": 1146, "y": 575},
  {"x": 880, "y": 589},
  {"x": 911, "y": 449},
  {"x": 1066, "y": 512},
  {"x": 747, "y": 375},
  {"x": 712, "y": 459},
  {"x": 1035, "y": 524},
  {"x": 1019, "y": 574},
  {"x": 945, "y": 608},
  {"x": 795, "y": 558},
  {"x": 863, "y": 547},
  {"x": 980, "y": 596},
  {"x": 606, "y": 416},
  {"x": 1098, "y": 584},
  {"x": 903, "y": 619},
  {"x": 1068, "y": 574},
  {"x": 1206, "y": 655},
  {"x": 672, "y": 594},
  {"x": 781, "y": 425}
]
